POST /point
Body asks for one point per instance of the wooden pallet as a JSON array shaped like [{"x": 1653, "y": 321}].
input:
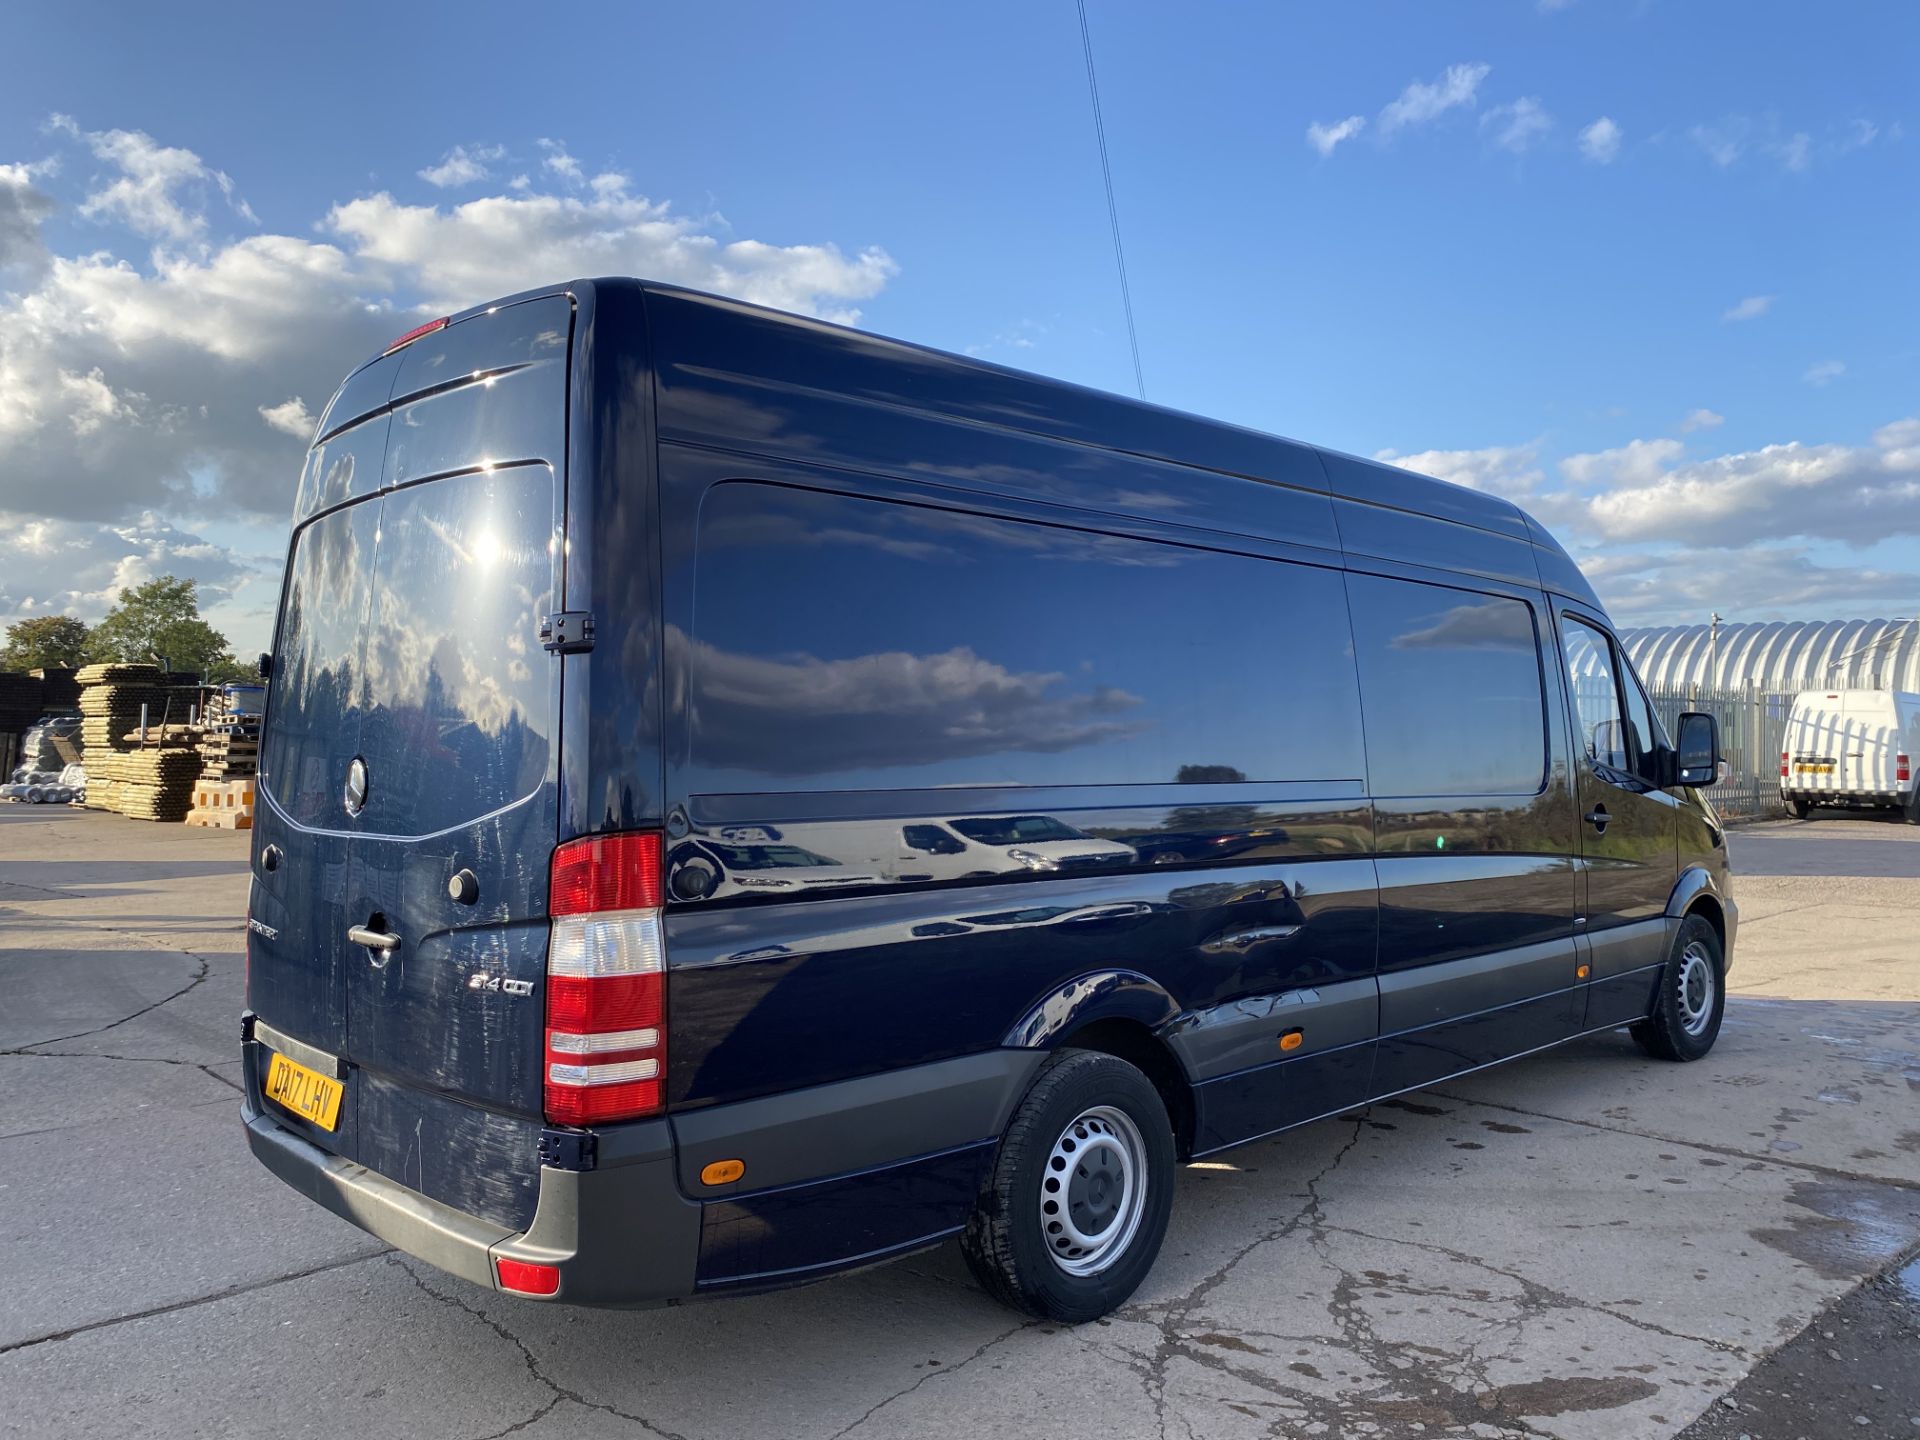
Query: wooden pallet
[{"x": 222, "y": 804}]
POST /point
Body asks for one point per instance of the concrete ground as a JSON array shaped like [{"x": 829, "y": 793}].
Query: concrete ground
[{"x": 1583, "y": 1244}]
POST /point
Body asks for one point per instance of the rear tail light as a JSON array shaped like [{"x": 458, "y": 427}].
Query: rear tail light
[
  {"x": 606, "y": 1049},
  {"x": 1783, "y": 764},
  {"x": 1902, "y": 768}
]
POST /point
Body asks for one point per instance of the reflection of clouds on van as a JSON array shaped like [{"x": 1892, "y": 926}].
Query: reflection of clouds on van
[{"x": 984, "y": 844}]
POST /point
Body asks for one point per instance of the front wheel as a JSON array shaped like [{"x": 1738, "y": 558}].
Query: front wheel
[
  {"x": 1692, "y": 998},
  {"x": 1073, "y": 1216}
]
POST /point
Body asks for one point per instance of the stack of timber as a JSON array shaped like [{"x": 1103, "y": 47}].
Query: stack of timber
[
  {"x": 222, "y": 805},
  {"x": 110, "y": 701},
  {"x": 154, "y": 784}
]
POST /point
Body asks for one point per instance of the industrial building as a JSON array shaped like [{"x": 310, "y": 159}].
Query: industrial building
[{"x": 1777, "y": 656}]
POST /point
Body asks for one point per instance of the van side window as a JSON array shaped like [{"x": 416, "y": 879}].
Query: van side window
[
  {"x": 844, "y": 643},
  {"x": 1646, "y": 730},
  {"x": 1455, "y": 703},
  {"x": 1602, "y": 734},
  {"x": 931, "y": 840}
]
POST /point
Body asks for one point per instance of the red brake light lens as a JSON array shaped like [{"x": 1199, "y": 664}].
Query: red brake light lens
[
  {"x": 415, "y": 333},
  {"x": 606, "y": 872}
]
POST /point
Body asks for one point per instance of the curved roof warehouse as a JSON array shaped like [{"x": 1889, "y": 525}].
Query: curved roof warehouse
[{"x": 1779, "y": 655}]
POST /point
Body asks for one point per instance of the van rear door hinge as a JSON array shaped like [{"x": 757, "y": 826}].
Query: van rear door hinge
[{"x": 567, "y": 632}]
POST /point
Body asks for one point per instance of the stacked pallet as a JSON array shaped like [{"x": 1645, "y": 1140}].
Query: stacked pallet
[
  {"x": 222, "y": 805},
  {"x": 229, "y": 742},
  {"x": 154, "y": 784},
  {"x": 110, "y": 701}
]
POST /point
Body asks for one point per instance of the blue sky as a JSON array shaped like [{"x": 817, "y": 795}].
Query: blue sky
[{"x": 1624, "y": 327}]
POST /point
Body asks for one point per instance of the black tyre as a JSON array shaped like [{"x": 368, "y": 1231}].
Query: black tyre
[
  {"x": 1798, "y": 809},
  {"x": 1074, "y": 1213},
  {"x": 1692, "y": 997},
  {"x": 1911, "y": 810}
]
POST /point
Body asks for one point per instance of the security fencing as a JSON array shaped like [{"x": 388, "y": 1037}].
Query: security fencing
[{"x": 1753, "y": 724}]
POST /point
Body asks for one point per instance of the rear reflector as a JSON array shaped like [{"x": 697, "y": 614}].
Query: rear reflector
[
  {"x": 415, "y": 333},
  {"x": 524, "y": 1278},
  {"x": 606, "y": 1047}
]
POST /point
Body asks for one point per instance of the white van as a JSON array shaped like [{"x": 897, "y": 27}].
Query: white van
[{"x": 1852, "y": 747}]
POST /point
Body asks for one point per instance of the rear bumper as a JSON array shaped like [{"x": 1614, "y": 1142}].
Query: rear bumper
[{"x": 620, "y": 1234}]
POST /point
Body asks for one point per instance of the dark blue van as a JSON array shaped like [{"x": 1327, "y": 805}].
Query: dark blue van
[{"x": 743, "y": 799}]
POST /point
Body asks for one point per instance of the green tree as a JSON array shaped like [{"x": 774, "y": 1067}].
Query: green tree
[
  {"x": 43, "y": 641},
  {"x": 162, "y": 617}
]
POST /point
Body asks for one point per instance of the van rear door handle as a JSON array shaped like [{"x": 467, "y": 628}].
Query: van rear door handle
[
  {"x": 372, "y": 939},
  {"x": 1598, "y": 817}
]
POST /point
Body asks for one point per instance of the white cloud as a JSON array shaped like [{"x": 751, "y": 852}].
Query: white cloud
[
  {"x": 22, "y": 209},
  {"x": 1751, "y": 308},
  {"x": 173, "y": 382},
  {"x": 1701, "y": 420},
  {"x": 290, "y": 417},
  {"x": 1860, "y": 134},
  {"x": 1794, "y": 153},
  {"x": 1859, "y": 494},
  {"x": 1760, "y": 582},
  {"x": 1324, "y": 137},
  {"x": 1638, "y": 462},
  {"x": 159, "y": 189},
  {"x": 1723, "y": 143},
  {"x": 1509, "y": 470},
  {"x": 1600, "y": 141},
  {"x": 1517, "y": 125},
  {"x": 1422, "y": 101},
  {"x": 1824, "y": 372},
  {"x": 76, "y": 567},
  {"x": 560, "y": 162},
  {"x": 492, "y": 246},
  {"x": 462, "y": 166}
]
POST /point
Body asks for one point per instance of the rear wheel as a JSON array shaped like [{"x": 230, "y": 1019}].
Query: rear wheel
[
  {"x": 1911, "y": 810},
  {"x": 1798, "y": 809},
  {"x": 1077, "y": 1205},
  {"x": 1692, "y": 997}
]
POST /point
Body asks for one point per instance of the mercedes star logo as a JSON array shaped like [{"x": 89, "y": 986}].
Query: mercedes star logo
[{"x": 356, "y": 796}]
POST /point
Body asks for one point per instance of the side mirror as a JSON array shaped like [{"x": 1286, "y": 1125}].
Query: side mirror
[
  {"x": 1697, "y": 750},
  {"x": 266, "y": 666}
]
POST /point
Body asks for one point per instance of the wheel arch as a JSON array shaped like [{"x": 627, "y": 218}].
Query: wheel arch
[
  {"x": 1123, "y": 1014},
  {"x": 1698, "y": 893}
]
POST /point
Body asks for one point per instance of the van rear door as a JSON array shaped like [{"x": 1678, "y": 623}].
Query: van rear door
[{"x": 448, "y": 728}]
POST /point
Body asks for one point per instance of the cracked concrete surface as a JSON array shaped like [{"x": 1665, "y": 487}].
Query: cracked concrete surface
[{"x": 1581, "y": 1244}]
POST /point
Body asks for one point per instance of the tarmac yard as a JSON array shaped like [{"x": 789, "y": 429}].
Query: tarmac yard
[{"x": 1587, "y": 1243}]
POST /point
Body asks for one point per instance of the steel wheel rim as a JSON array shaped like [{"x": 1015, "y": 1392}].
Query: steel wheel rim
[
  {"x": 1093, "y": 1191},
  {"x": 1695, "y": 988}
]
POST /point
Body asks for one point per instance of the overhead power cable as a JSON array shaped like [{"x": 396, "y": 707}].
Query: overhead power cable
[{"x": 1113, "y": 210}]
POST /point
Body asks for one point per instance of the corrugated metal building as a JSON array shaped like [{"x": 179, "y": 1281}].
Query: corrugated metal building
[{"x": 1778, "y": 655}]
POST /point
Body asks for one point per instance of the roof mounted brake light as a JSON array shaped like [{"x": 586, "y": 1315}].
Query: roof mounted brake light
[{"x": 415, "y": 333}]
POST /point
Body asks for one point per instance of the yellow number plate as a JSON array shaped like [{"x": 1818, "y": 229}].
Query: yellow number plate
[
  {"x": 307, "y": 1093},
  {"x": 1813, "y": 769}
]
